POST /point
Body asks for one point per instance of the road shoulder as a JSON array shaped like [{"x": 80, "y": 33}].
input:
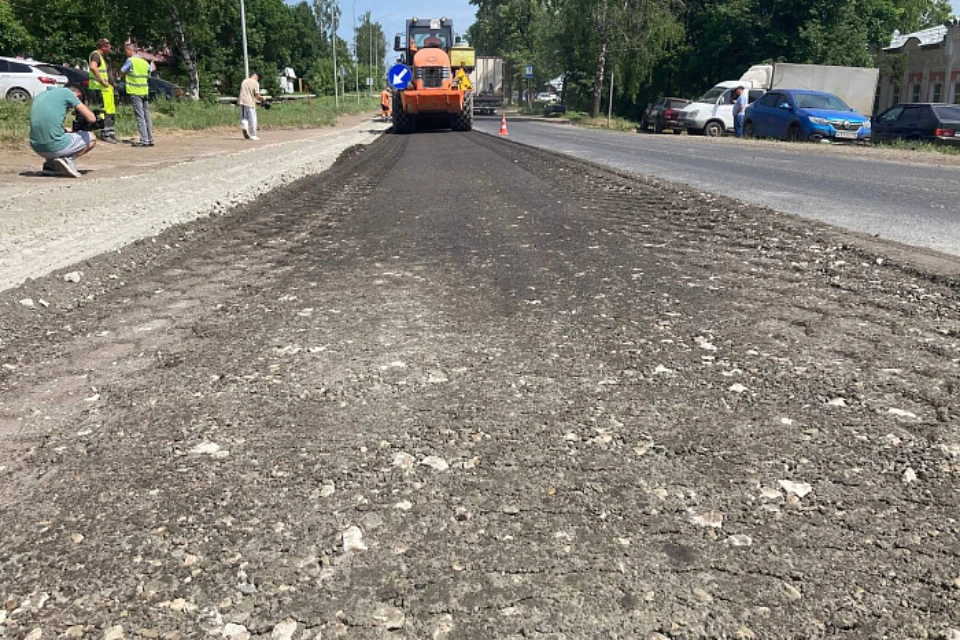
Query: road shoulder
[{"x": 129, "y": 193}]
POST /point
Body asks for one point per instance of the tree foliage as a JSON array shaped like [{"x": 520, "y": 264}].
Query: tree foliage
[
  {"x": 681, "y": 47},
  {"x": 203, "y": 36}
]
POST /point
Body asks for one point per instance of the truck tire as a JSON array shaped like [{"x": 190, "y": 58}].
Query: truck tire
[
  {"x": 463, "y": 121},
  {"x": 403, "y": 122}
]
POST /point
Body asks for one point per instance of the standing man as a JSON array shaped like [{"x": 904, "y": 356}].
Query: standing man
[
  {"x": 137, "y": 71},
  {"x": 99, "y": 77},
  {"x": 248, "y": 99},
  {"x": 48, "y": 139},
  {"x": 385, "y": 98},
  {"x": 739, "y": 109}
]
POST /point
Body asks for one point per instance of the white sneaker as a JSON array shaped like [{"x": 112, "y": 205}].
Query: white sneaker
[
  {"x": 254, "y": 138},
  {"x": 245, "y": 125},
  {"x": 67, "y": 167}
]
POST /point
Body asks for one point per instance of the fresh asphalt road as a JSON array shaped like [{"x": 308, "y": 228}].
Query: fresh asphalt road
[{"x": 914, "y": 204}]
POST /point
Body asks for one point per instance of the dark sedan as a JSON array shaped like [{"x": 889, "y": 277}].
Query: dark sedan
[
  {"x": 919, "y": 122},
  {"x": 664, "y": 114},
  {"x": 159, "y": 89}
]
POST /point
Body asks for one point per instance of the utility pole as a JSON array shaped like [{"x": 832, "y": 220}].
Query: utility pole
[
  {"x": 356, "y": 57},
  {"x": 243, "y": 28},
  {"x": 336, "y": 69},
  {"x": 370, "y": 55}
]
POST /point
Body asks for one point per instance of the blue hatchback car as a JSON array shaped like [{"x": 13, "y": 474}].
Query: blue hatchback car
[{"x": 791, "y": 114}]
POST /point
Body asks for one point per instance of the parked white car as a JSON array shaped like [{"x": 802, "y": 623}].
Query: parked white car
[
  {"x": 712, "y": 113},
  {"x": 24, "y": 79},
  {"x": 548, "y": 98}
]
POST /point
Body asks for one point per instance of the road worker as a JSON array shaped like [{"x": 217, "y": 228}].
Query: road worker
[
  {"x": 137, "y": 73},
  {"x": 102, "y": 89},
  {"x": 385, "y": 98}
]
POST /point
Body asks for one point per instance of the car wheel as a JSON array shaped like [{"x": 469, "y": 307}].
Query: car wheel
[
  {"x": 793, "y": 133},
  {"x": 18, "y": 95},
  {"x": 643, "y": 124},
  {"x": 658, "y": 126},
  {"x": 713, "y": 129},
  {"x": 677, "y": 131},
  {"x": 748, "y": 129}
]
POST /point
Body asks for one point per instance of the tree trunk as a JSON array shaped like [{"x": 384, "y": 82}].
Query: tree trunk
[
  {"x": 598, "y": 79},
  {"x": 193, "y": 88},
  {"x": 601, "y": 60}
]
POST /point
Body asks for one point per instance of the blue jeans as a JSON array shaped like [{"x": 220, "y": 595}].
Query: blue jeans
[{"x": 738, "y": 124}]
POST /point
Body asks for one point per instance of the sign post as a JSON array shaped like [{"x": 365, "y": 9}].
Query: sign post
[{"x": 528, "y": 74}]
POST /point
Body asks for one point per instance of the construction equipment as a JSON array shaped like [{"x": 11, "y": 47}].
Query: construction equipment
[{"x": 432, "y": 97}]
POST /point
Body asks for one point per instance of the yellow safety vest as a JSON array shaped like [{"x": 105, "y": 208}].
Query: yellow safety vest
[
  {"x": 92, "y": 77},
  {"x": 137, "y": 77}
]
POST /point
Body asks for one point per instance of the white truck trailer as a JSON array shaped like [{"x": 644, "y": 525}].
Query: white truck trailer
[{"x": 487, "y": 80}]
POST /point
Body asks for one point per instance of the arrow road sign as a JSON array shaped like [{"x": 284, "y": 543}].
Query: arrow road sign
[{"x": 399, "y": 76}]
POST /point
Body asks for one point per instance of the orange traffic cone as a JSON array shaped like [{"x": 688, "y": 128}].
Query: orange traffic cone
[{"x": 503, "y": 126}]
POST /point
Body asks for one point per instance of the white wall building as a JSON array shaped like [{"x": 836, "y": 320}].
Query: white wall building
[{"x": 931, "y": 69}]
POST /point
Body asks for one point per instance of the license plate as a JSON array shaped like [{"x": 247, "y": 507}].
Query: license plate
[{"x": 849, "y": 135}]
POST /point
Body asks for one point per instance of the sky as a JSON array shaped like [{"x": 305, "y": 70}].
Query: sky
[{"x": 393, "y": 15}]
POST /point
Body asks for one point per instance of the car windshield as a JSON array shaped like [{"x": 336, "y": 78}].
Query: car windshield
[
  {"x": 427, "y": 36},
  {"x": 948, "y": 113},
  {"x": 824, "y": 101},
  {"x": 712, "y": 95}
]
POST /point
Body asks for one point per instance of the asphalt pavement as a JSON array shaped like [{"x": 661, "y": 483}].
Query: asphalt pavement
[
  {"x": 461, "y": 388},
  {"x": 915, "y": 204}
]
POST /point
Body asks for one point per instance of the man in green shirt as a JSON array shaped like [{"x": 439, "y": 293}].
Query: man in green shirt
[{"x": 49, "y": 140}]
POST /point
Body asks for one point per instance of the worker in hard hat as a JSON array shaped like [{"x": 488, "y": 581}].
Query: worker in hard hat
[{"x": 385, "y": 98}]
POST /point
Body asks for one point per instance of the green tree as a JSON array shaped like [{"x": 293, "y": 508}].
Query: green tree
[{"x": 14, "y": 37}]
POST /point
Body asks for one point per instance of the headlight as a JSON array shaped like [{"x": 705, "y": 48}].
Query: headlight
[{"x": 821, "y": 121}]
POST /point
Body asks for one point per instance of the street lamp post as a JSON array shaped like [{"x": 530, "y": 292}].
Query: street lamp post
[
  {"x": 356, "y": 51},
  {"x": 336, "y": 69},
  {"x": 243, "y": 28}
]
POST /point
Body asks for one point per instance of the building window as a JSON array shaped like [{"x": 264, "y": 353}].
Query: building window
[
  {"x": 956, "y": 93},
  {"x": 896, "y": 95},
  {"x": 916, "y": 93},
  {"x": 936, "y": 94}
]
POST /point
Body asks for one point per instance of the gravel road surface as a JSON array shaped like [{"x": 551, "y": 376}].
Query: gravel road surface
[
  {"x": 460, "y": 388},
  {"x": 57, "y": 222},
  {"x": 916, "y": 204}
]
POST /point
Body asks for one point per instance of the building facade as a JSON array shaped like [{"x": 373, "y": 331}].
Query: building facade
[{"x": 921, "y": 67}]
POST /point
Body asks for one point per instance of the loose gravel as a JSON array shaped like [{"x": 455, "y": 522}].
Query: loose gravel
[
  {"x": 460, "y": 388},
  {"x": 63, "y": 222}
]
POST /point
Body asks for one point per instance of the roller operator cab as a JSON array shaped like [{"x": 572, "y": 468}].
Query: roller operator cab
[{"x": 439, "y": 93}]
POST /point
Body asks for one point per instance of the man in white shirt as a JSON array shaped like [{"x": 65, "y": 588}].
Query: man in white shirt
[{"x": 248, "y": 99}]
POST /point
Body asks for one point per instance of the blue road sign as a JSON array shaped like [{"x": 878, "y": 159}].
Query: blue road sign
[
  {"x": 529, "y": 72},
  {"x": 399, "y": 76}
]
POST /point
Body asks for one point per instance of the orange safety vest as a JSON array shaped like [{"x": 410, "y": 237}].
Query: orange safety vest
[{"x": 385, "y": 99}]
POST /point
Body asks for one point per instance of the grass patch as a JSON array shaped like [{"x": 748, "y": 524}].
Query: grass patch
[
  {"x": 924, "y": 147},
  {"x": 189, "y": 115},
  {"x": 616, "y": 123},
  {"x": 583, "y": 119}
]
